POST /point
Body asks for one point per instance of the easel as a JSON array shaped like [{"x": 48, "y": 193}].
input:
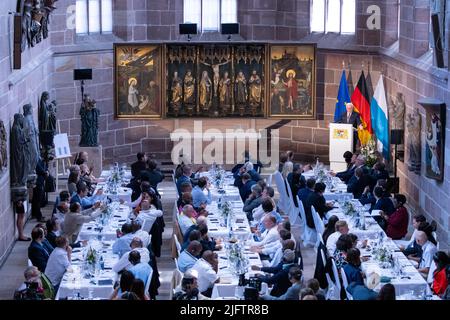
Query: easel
[{"x": 61, "y": 162}]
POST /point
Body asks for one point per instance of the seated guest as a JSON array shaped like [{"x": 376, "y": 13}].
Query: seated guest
[
  {"x": 45, "y": 243},
  {"x": 347, "y": 174},
  {"x": 258, "y": 212},
  {"x": 194, "y": 235},
  {"x": 136, "y": 227},
  {"x": 124, "y": 237},
  {"x": 307, "y": 294},
  {"x": 189, "y": 256},
  {"x": 61, "y": 210},
  {"x": 330, "y": 228},
  {"x": 348, "y": 158},
  {"x": 147, "y": 211},
  {"x": 139, "y": 269},
  {"x": 139, "y": 165},
  {"x": 82, "y": 198},
  {"x": 36, "y": 251},
  {"x": 383, "y": 203},
  {"x": 245, "y": 184},
  {"x": 72, "y": 181},
  {"x": 58, "y": 262},
  {"x": 341, "y": 228},
  {"x": 138, "y": 288},
  {"x": 343, "y": 244},
  {"x": 152, "y": 174},
  {"x": 357, "y": 183},
  {"x": 276, "y": 257},
  {"x": 87, "y": 177},
  {"x": 200, "y": 220},
  {"x": 136, "y": 244},
  {"x": 125, "y": 284},
  {"x": 186, "y": 177},
  {"x": 187, "y": 218},
  {"x": 296, "y": 181},
  {"x": 410, "y": 247},
  {"x": 270, "y": 234},
  {"x": 353, "y": 267},
  {"x": 186, "y": 198},
  {"x": 387, "y": 293},
  {"x": 74, "y": 220},
  {"x": 397, "y": 222},
  {"x": 253, "y": 201},
  {"x": 189, "y": 287},
  {"x": 365, "y": 291},
  {"x": 368, "y": 197},
  {"x": 207, "y": 242},
  {"x": 81, "y": 157},
  {"x": 304, "y": 193},
  {"x": 207, "y": 268},
  {"x": 314, "y": 285},
  {"x": 428, "y": 251},
  {"x": 64, "y": 196},
  {"x": 293, "y": 292},
  {"x": 440, "y": 281},
  {"x": 249, "y": 168},
  {"x": 53, "y": 230},
  {"x": 317, "y": 200},
  {"x": 32, "y": 288},
  {"x": 288, "y": 167},
  {"x": 199, "y": 199},
  {"x": 138, "y": 187},
  {"x": 268, "y": 206},
  {"x": 186, "y": 187},
  {"x": 280, "y": 278},
  {"x": 379, "y": 172}
]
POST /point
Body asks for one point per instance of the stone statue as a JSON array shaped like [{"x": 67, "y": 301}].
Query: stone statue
[
  {"x": 32, "y": 134},
  {"x": 177, "y": 93},
  {"x": 89, "y": 122},
  {"x": 3, "y": 149},
  {"x": 225, "y": 92},
  {"x": 189, "y": 85},
  {"x": 47, "y": 125},
  {"x": 397, "y": 115},
  {"x": 19, "y": 159},
  {"x": 205, "y": 91},
  {"x": 26, "y": 26},
  {"x": 241, "y": 88},
  {"x": 414, "y": 141},
  {"x": 255, "y": 88}
]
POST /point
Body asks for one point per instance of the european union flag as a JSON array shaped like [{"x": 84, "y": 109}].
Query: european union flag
[{"x": 342, "y": 99}]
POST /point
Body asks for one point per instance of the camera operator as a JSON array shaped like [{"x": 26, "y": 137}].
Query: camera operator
[
  {"x": 293, "y": 293},
  {"x": 189, "y": 288}
]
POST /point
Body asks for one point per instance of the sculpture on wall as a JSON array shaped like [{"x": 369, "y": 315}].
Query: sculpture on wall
[
  {"x": 32, "y": 133},
  {"x": 414, "y": 121},
  {"x": 89, "y": 122},
  {"x": 35, "y": 20},
  {"x": 397, "y": 109},
  {"x": 3, "y": 149},
  {"x": 47, "y": 126},
  {"x": 19, "y": 158},
  {"x": 255, "y": 92}
]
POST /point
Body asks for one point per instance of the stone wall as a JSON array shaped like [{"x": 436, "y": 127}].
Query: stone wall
[{"x": 17, "y": 88}]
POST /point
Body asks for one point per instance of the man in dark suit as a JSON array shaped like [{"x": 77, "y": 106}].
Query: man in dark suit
[
  {"x": 36, "y": 251},
  {"x": 317, "y": 200},
  {"x": 139, "y": 165},
  {"x": 358, "y": 183},
  {"x": 186, "y": 177},
  {"x": 245, "y": 184},
  {"x": 352, "y": 117},
  {"x": 39, "y": 190},
  {"x": 152, "y": 174},
  {"x": 304, "y": 193}
]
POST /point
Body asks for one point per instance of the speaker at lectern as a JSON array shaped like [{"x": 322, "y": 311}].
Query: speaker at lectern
[{"x": 341, "y": 140}]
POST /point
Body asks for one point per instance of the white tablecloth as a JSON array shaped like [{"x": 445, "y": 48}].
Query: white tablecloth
[{"x": 239, "y": 222}]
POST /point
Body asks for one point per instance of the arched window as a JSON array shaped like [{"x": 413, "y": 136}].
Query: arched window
[{"x": 93, "y": 16}]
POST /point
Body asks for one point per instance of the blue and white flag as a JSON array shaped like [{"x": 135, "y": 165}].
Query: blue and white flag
[{"x": 380, "y": 124}]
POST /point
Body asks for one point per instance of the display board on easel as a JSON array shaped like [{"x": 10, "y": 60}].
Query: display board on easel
[{"x": 62, "y": 153}]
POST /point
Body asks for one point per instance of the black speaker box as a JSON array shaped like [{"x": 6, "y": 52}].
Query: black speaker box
[
  {"x": 17, "y": 41},
  {"x": 229, "y": 28},
  {"x": 82, "y": 74},
  {"x": 188, "y": 28},
  {"x": 438, "y": 50},
  {"x": 397, "y": 136}
]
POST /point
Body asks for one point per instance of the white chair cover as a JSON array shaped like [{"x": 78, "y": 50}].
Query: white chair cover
[
  {"x": 332, "y": 291},
  {"x": 283, "y": 202},
  {"x": 308, "y": 234},
  {"x": 336, "y": 275},
  {"x": 320, "y": 239},
  {"x": 345, "y": 284},
  {"x": 30, "y": 264},
  {"x": 148, "y": 224},
  {"x": 293, "y": 210},
  {"x": 269, "y": 181},
  {"x": 318, "y": 222},
  {"x": 176, "y": 263},
  {"x": 177, "y": 244},
  {"x": 149, "y": 280},
  {"x": 430, "y": 273}
]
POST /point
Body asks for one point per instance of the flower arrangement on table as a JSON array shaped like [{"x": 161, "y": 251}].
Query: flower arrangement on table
[
  {"x": 218, "y": 178},
  {"x": 349, "y": 209},
  {"x": 91, "y": 256},
  {"x": 369, "y": 151},
  {"x": 383, "y": 255},
  {"x": 238, "y": 261}
]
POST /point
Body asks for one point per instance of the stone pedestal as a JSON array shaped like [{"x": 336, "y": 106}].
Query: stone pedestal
[{"x": 95, "y": 159}]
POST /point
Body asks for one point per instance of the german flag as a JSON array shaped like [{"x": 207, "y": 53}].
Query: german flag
[{"x": 361, "y": 100}]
